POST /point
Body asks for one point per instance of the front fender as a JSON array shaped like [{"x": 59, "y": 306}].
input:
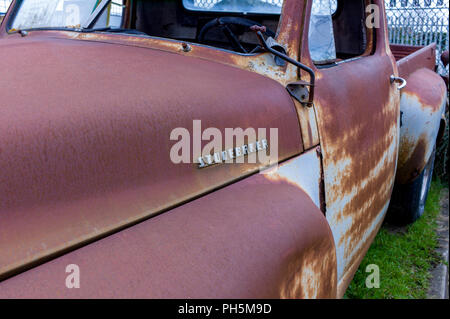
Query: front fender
[
  {"x": 422, "y": 105},
  {"x": 262, "y": 237}
]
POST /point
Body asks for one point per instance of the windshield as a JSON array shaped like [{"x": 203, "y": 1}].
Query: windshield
[
  {"x": 63, "y": 14},
  {"x": 247, "y": 6}
]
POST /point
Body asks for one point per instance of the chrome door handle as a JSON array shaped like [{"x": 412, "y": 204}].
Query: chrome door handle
[{"x": 402, "y": 82}]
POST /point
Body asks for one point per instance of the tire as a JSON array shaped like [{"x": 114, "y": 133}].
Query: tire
[{"x": 408, "y": 201}]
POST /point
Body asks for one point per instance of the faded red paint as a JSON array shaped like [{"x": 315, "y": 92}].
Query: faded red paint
[
  {"x": 85, "y": 151},
  {"x": 419, "y": 57},
  {"x": 276, "y": 246},
  {"x": 401, "y": 51}
]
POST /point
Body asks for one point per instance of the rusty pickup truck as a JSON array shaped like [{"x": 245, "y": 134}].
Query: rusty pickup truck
[{"x": 117, "y": 179}]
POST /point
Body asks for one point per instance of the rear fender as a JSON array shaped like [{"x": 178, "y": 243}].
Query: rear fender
[{"x": 422, "y": 107}]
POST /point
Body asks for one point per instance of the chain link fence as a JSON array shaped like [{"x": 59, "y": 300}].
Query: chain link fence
[
  {"x": 419, "y": 22},
  {"x": 208, "y": 4}
]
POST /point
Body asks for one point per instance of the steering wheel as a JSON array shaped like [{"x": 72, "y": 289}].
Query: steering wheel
[{"x": 223, "y": 23}]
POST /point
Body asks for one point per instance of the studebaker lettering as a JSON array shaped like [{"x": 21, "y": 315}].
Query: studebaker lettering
[{"x": 232, "y": 153}]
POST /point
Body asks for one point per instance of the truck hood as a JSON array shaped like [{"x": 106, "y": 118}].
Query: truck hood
[{"x": 85, "y": 138}]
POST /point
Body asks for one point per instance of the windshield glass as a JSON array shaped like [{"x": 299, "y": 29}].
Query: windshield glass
[
  {"x": 63, "y": 14},
  {"x": 247, "y": 6}
]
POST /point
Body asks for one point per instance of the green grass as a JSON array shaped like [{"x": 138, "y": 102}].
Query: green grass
[{"x": 404, "y": 257}]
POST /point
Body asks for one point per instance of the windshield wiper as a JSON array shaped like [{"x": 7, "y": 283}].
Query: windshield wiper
[
  {"x": 110, "y": 29},
  {"x": 95, "y": 15},
  {"x": 24, "y": 31}
]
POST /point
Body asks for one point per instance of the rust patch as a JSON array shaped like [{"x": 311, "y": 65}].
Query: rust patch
[
  {"x": 415, "y": 162},
  {"x": 429, "y": 96},
  {"x": 323, "y": 203},
  {"x": 358, "y": 119},
  {"x": 312, "y": 275},
  {"x": 352, "y": 268},
  {"x": 406, "y": 148}
]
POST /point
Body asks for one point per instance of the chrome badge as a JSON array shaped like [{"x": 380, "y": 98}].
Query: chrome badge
[{"x": 232, "y": 153}]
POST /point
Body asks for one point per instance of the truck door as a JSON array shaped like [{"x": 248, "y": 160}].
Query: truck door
[{"x": 357, "y": 111}]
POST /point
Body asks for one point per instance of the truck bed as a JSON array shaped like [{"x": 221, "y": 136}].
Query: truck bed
[{"x": 411, "y": 58}]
